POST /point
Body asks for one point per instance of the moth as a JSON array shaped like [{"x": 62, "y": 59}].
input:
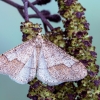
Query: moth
[{"x": 42, "y": 59}]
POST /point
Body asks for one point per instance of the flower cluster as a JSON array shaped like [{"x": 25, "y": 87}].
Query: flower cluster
[
  {"x": 79, "y": 45},
  {"x": 29, "y": 30}
]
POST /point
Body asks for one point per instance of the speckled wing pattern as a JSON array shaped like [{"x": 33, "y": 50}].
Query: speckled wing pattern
[
  {"x": 42, "y": 59},
  {"x": 18, "y": 63},
  {"x": 56, "y": 66}
]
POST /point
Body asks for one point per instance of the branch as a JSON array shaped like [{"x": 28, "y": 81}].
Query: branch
[
  {"x": 26, "y": 10},
  {"x": 13, "y": 4},
  {"x": 35, "y": 2},
  {"x": 41, "y": 16},
  {"x": 53, "y": 18},
  {"x": 26, "y": 16},
  {"x": 45, "y": 27},
  {"x": 21, "y": 13}
]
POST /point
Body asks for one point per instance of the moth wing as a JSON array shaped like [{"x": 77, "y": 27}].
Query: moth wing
[
  {"x": 59, "y": 65},
  {"x": 18, "y": 63},
  {"x": 43, "y": 73}
]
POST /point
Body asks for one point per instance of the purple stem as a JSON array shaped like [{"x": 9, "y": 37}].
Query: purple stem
[
  {"x": 21, "y": 13},
  {"x": 41, "y": 16},
  {"x": 26, "y": 10},
  {"x": 13, "y": 4},
  {"x": 35, "y": 2},
  {"x": 20, "y": 9},
  {"x": 45, "y": 27}
]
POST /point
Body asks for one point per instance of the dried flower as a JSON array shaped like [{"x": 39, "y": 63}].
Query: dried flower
[{"x": 96, "y": 82}]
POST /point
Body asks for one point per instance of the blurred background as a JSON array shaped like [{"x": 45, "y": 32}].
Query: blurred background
[{"x": 10, "y": 36}]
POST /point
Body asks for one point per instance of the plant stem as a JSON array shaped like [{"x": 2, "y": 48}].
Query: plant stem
[
  {"x": 25, "y": 7},
  {"x": 41, "y": 16},
  {"x": 21, "y": 12},
  {"x": 13, "y": 4},
  {"x": 26, "y": 10}
]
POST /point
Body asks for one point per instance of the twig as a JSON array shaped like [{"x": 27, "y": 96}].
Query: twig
[
  {"x": 21, "y": 13},
  {"x": 13, "y": 4},
  {"x": 26, "y": 16},
  {"x": 45, "y": 27},
  {"x": 41, "y": 16},
  {"x": 26, "y": 10},
  {"x": 35, "y": 2}
]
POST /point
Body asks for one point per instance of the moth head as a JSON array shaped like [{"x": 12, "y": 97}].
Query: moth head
[
  {"x": 39, "y": 40},
  {"x": 39, "y": 34}
]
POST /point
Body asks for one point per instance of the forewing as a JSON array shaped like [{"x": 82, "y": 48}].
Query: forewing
[
  {"x": 61, "y": 65},
  {"x": 18, "y": 60},
  {"x": 43, "y": 73}
]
